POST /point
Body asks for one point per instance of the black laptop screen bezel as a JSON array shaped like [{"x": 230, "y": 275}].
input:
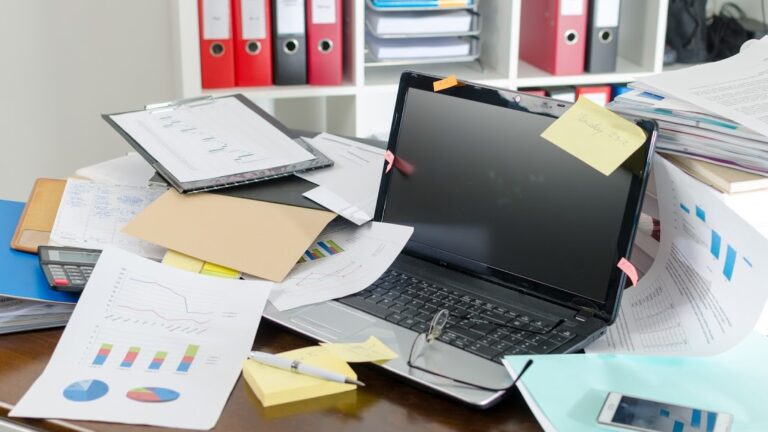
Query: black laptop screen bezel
[{"x": 607, "y": 309}]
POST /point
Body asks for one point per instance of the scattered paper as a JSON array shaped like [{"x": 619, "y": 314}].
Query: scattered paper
[
  {"x": 565, "y": 392},
  {"x": 210, "y": 140},
  {"x": 372, "y": 350},
  {"x": 91, "y": 216},
  {"x": 254, "y": 237},
  {"x": 274, "y": 386},
  {"x": 128, "y": 170},
  {"x": 596, "y": 136},
  {"x": 149, "y": 344},
  {"x": 351, "y": 186},
  {"x": 733, "y": 88},
  {"x": 361, "y": 255},
  {"x": 706, "y": 288}
]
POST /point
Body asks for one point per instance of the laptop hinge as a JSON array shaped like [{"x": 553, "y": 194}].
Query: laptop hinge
[{"x": 585, "y": 314}]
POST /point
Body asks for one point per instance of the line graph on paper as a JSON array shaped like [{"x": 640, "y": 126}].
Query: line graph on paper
[
  {"x": 347, "y": 270},
  {"x": 138, "y": 300},
  {"x": 659, "y": 325}
]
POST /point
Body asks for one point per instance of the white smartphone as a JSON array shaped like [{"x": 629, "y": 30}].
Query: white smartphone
[{"x": 644, "y": 415}]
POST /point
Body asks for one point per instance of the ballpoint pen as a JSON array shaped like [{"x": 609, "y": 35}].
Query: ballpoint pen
[{"x": 298, "y": 367}]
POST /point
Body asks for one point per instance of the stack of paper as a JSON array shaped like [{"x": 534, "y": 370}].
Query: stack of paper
[
  {"x": 714, "y": 112},
  {"x": 415, "y": 23},
  {"x": 20, "y": 315},
  {"x": 395, "y": 49}
]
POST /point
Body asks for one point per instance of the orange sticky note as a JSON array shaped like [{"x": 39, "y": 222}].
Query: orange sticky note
[
  {"x": 445, "y": 83},
  {"x": 390, "y": 158},
  {"x": 629, "y": 269}
]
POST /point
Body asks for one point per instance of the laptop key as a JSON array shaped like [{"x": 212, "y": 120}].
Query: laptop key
[
  {"x": 463, "y": 332},
  {"x": 484, "y": 328},
  {"x": 494, "y": 316},
  {"x": 395, "y": 317},
  {"x": 397, "y": 307},
  {"x": 408, "y": 322},
  {"x": 483, "y": 351},
  {"x": 545, "y": 347},
  {"x": 420, "y": 327},
  {"x": 366, "y": 306}
]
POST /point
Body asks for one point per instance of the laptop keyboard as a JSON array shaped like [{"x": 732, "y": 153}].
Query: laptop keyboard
[{"x": 474, "y": 325}]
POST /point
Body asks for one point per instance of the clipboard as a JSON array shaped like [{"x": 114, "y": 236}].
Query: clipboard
[
  {"x": 36, "y": 221},
  {"x": 242, "y": 178}
]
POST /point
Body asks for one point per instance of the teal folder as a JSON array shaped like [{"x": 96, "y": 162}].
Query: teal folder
[
  {"x": 569, "y": 389},
  {"x": 20, "y": 272}
]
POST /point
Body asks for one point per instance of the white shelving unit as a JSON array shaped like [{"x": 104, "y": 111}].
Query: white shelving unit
[{"x": 363, "y": 104}]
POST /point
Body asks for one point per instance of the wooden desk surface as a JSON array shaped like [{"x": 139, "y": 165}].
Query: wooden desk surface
[{"x": 385, "y": 404}]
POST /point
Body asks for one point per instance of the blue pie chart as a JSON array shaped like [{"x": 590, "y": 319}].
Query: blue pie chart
[{"x": 86, "y": 390}]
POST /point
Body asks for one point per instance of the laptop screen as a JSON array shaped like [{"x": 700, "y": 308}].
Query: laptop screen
[{"x": 485, "y": 193}]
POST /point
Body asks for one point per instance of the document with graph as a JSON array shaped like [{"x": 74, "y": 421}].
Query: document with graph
[
  {"x": 91, "y": 216},
  {"x": 345, "y": 259},
  {"x": 149, "y": 344},
  {"x": 210, "y": 143},
  {"x": 706, "y": 290}
]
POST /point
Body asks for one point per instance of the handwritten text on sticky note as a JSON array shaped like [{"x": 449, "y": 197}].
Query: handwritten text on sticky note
[
  {"x": 598, "y": 137},
  {"x": 372, "y": 350}
]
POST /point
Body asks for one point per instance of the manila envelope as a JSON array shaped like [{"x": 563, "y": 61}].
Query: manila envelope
[{"x": 255, "y": 237}]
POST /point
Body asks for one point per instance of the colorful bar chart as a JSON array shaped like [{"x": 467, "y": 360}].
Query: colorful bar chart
[
  {"x": 189, "y": 357},
  {"x": 102, "y": 355},
  {"x": 157, "y": 360},
  {"x": 328, "y": 246},
  {"x": 130, "y": 357}
]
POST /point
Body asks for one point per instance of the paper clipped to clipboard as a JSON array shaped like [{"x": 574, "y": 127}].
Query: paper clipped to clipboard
[{"x": 595, "y": 135}]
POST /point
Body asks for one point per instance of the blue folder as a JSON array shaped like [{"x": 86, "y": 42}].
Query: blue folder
[{"x": 20, "y": 271}]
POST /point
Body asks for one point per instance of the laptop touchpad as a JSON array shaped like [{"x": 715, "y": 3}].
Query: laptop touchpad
[{"x": 332, "y": 321}]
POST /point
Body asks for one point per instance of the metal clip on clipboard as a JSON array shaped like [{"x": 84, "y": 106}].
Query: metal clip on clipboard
[{"x": 172, "y": 105}]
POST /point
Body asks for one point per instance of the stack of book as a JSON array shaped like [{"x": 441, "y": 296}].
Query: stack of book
[{"x": 20, "y": 315}]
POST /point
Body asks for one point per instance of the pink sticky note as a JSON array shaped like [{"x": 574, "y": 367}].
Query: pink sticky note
[
  {"x": 390, "y": 158},
  {"x": 629, "y": 269}
]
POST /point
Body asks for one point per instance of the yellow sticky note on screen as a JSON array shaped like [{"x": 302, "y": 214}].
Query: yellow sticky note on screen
[
  {"x": 372, "y": 350},
  {"x": 598, "y": 137}
]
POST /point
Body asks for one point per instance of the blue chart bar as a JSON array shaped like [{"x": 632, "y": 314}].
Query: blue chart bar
[
  {"x": 711, "y": 419},
  {"x": 700, "y": 214},
  {"x": 678, "y": 427},
  {"x": 715, "y": 249},
  {"x": 730, "y": 262},
  {"x": 685, "y": 209},
  {"x": 696, "y": 418},
  {"x": 664, "y": 413}
]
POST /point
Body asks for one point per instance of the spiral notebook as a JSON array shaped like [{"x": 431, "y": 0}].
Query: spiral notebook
[{"x": 212, "y": 143}]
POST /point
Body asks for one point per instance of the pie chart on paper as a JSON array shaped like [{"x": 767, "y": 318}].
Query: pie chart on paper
[
  {"x": 86, "y": 390},
  {"x": 152, "y": 394}
]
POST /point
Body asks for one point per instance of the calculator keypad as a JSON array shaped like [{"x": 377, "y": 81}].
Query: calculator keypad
[{"x": 69, "y": 275}]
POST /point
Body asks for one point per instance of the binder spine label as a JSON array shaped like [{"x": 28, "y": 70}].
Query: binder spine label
[
  {"x": 607, "y": 13},
  {"x": 216, "y": 19},
  {"x": 290, "y": 17},
  {"x": 324, "y": 12},
  {"x": 571, "y": 7},
  {"x": 254, "y": 19}
]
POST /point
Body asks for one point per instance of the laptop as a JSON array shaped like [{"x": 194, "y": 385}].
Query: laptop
[{"x": 516, "y": 238}]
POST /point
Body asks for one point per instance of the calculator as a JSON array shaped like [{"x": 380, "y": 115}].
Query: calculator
[{"x": 67, "y": 268}]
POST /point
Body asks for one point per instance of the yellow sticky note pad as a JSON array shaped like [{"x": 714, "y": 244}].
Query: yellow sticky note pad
[
  {"x": 211, "y": 269},
  {"x": 372, "y": 350},
  {"x": 181, "y": 261},
  {"x": 275, "y": 386},
  {"x": 598, "y": 137}
]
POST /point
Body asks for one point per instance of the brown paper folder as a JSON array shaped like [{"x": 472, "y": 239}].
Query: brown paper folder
[
  {"x": 36, "y": 222},
  {"x": 255, "y": 237}
]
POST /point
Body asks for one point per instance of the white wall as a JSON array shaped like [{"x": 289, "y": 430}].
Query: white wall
[{"x": 65, "y": 62}]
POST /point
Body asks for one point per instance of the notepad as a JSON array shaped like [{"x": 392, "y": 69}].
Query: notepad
[
  {"x": 372, "y": 350},
  {"x": 275, "y": 386}
]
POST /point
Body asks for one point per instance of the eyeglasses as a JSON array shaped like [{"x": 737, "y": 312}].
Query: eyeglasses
[{"x": 439, "y": 322}]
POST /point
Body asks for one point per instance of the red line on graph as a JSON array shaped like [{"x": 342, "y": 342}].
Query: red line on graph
[
  {"x": 186, "y": 305},
  {"x": 163, "y": 317}
]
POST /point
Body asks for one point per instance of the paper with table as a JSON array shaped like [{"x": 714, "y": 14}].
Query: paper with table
[
  {"x": 91, "y": 216},
  {"x": 350, "y": 187},
  {"x": 149, "y": 344},
  {"x": 259, "y": 238},
  {"x": 706, "y": 288},
  {"x": 343, "y": 260},
  {"x": 565, "y": 392},
  {"x": 733, "y": 88},
  {"x": 596, "y": 136}
]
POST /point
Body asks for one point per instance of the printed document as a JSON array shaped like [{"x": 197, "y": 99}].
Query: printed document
[
  {"x": 149, "y": 344},
  {"x": 91, "y": 216},
  {"x": 733, "y": 88},
  {"x": 342, "y": 261},
  {"x": 706, "y": 289},
  {"x": 218, "y": 139},
  {"x": 350, "y": 187}
]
